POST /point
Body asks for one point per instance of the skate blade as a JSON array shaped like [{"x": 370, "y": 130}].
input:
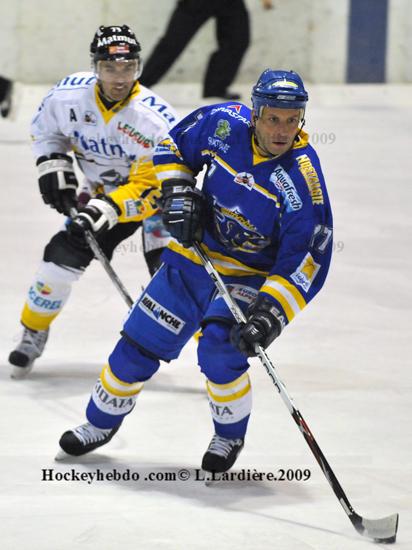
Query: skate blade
[
  {"x": 20, "y": 373},
  {"x": 211, "y": 478},
  {"x": 61, "y": 456}
]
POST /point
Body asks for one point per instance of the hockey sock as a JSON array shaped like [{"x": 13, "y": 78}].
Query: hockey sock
[
  {"x": 111, "y": 400},
  {"x": 47, "y": 295},
  {"x": 230, "y": 405}
]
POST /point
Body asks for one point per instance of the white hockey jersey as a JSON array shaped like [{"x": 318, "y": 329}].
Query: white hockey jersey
[{"x": 113, "y": 147}]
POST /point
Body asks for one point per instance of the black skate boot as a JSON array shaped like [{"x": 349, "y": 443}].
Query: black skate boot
[
  {"x": 83, "y": 439},
  {"x": 29, "y": 348},
  {"x": 221, "y": 455}
]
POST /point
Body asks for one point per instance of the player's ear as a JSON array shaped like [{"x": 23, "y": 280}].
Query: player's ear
[{"x": 254, "y": 117}]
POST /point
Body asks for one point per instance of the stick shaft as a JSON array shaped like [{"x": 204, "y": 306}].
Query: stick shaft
[{"x": 101, "y": 257}]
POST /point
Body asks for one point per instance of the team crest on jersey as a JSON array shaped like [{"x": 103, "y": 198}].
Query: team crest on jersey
[
  {"x": 282, "y": 181},
  {"x": 246, "y": 179},
  {"x": 236, "y": 232},
  {"x": 223, "y": 129},
  {"x": 90, "y": 118},
  {"x": 306, "y": 272}
]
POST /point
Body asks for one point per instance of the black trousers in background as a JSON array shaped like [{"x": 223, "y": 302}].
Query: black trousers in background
[
  {"x": 4, "y": 87},
  {"x": 232, "y": 33}
]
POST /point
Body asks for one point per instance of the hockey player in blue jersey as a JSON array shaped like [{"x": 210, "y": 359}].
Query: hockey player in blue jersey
[{"x": 264, "y": 218}]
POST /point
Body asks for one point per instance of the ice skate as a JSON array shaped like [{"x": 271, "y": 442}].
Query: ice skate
[
  {"x": 83, "y": 439},
  {"x": 220, "y": 457},
  {"x": 28, "y": 350}
]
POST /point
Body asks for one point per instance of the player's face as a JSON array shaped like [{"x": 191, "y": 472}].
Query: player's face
[
  {"x": 276, "y": 129},
  {"x": 117, "y": 78}
]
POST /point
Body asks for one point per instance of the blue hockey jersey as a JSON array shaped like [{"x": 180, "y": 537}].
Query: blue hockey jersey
[{"x": 265, "y": 216}]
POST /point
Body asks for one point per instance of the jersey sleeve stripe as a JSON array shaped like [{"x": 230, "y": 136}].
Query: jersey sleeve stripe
[
  {"x": 284, "y": 297},
  {"x": 288, "y": 287}
]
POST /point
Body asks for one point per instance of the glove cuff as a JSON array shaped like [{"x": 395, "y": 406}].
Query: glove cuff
[{"x": 107, "y": 207}]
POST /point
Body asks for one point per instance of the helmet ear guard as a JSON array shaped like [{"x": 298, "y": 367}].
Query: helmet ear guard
[{"x": 279, "y": 89}]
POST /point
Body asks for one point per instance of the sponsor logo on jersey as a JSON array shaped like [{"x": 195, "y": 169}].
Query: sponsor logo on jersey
[
  {"x": 231, "y": 113},
  {"x": 311, "y": 178},
  {"x": 282, "y": 181},
  {"x": 306, "y": 272},
  {"x": 236, "y": 107},
  {"x": 73, "y": 81},
  {"x": 161, "y": 315},
  {"x": 135, "y": 135},
  {"x": 246, "y": 294},
  {"x": 90, "y": 118},
  {"x": 246, "y": 179},
  {"x": 101, "y": 146},
  {"x": 223, "y": 129},
  {"x": 157, "y": 105},
  {"x": 218, "y": 144}
]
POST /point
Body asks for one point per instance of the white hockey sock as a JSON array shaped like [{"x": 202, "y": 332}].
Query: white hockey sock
[
  {"x": 230, "y": 402},
  {"x": 48, "y": 293}
]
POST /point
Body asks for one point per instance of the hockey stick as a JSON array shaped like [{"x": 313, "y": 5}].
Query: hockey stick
[
  {"x": 380, "y": 530},
  {"x": 101, "y": 256}
]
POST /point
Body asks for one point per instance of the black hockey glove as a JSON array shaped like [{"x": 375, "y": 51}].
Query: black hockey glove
[
  {"x": 99, "y": 215},
  {"x": 182, "y": 211},
  {"x": 58, "y": 182},
  {"x": 262, "y": 327}
]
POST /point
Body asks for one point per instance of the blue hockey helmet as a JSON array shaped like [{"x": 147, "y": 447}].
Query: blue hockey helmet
[{"x": 280, "y": 89}]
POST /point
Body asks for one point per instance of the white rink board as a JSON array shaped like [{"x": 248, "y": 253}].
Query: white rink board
[{"x": 345, "y": 360}]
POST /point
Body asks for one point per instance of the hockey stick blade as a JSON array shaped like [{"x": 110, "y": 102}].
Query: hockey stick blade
[{"x": 381, "y": 530}]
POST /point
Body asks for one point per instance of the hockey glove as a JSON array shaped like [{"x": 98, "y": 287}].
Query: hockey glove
[
  {"x": 58, "y": 182},
  {"x": 99, "y": 215},
  {"x": 262, "y": 327},
  {"x": 182, "y": 211}
]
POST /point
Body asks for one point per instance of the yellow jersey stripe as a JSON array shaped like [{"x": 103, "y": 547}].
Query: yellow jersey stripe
[
  {"x": 224, "y": 264},
  {"x": 233, "y": 172},
  {"x": 290, "y": 313}
]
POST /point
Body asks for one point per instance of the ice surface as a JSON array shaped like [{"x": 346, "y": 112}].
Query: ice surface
[{"x": 345, "y": 360}]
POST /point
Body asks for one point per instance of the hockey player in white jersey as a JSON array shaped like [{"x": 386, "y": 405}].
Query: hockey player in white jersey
[{"x": 112, "y": 125}]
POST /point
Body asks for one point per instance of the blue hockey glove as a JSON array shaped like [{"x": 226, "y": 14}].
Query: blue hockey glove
[
  {"x": 182, "y": 211},
  {"x": 99, "y": 215},
  {"x": 262, "y": 327}
]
